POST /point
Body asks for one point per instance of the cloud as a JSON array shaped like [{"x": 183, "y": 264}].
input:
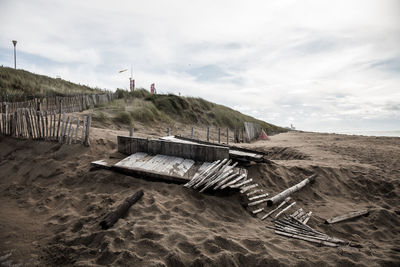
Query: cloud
[{"x": 317, "y": 64}]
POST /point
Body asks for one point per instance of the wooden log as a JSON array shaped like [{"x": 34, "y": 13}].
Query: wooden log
[
  {"x": 257, "y": 202},
  {"x": 224, "y": 174},
  {"x": 258, "y": 196},
  {"x": 224, "y": 181},
  {"x": 347, "y": 216},
  {"x": 285, "y": 209},
  {"x": 111, "y": 218},
  {"x": 247, "y": 188},
  {"x": 279, "y": 197},
  {"x": 321, "y": 242},
  {"x": 87, "y": 139},
  {"x": 199, "y": 175},
  {"x": 254, "y": 192},
  {"x": 241, "y": 184},
  {"x": 279, "y": 206},
  {"x": 217, "y": 178},
  {"x": 234, "y": 181},
  {"x": 210, "y": 173},
  {"x": 257, "y": 210}
]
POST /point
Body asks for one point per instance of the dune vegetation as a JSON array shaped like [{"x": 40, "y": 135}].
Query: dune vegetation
[
  {"x": 18, "y": 84},
  {"x": 147, "y": 108}
]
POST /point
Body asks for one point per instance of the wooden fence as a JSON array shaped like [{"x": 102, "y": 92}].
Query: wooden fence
[
  {"x": 27, "y": 123},
  {"x": 59, "y": 104}
]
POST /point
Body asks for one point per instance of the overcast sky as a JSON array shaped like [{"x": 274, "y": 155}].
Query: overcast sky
[{"x": 321, "y": 65}]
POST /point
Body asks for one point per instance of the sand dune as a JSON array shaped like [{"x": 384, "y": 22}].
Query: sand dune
[{"x": 52, "y": 202}]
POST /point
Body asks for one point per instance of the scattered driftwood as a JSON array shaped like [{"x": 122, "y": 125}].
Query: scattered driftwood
[
  {"x": 291, "y": 227},
  {"x": 290, "y": 190},
  {"x": 111, "y": 218},
  {"x": 347, "y": 216},
  {"x": 280, "y": 205}
]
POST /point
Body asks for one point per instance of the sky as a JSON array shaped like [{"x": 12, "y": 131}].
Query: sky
[{"x": 328, "y": 66}]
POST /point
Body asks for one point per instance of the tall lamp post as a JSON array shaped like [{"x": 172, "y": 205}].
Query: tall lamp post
[{"x": 15, "y": 54}]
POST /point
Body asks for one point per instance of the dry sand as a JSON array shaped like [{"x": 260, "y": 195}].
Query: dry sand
[{"x": 52, "y": 202}]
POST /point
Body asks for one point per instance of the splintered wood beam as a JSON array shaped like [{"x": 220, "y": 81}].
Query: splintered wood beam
[
  {"x": 284, "y": 194},
  {"x": 347, "y": 216},
  {"x": 111, "y": 218}
]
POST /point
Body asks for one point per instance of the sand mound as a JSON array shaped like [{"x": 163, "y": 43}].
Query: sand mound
[{"x": 53, "y": 204}]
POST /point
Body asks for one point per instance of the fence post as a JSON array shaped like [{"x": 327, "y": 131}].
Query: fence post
[
  {"x": 169, "y": 131},
  {"x": 227, "y": 136},
  {"x": 208, "y": 134},
  {"x": 192, "y": 132},
  {"x": 219, "y": 135},
  {"x": 130, "y": 132},
  {"x": 89, "y": 119}
]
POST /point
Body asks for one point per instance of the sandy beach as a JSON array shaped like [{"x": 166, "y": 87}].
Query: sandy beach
[{"x": 52, "y": 202}]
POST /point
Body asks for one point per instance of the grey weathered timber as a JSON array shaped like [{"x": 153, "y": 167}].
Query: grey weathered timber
[
  {"x": 247, "y": 188},
  {"x": 257, "y": 197},
  {"x": 68, "y": 137},
  {"x": 87, "y": 140},
  {"x": 77, "y": 130},
  {"x": 219, "y": 135},
  {"x": 111, "y": 218},
  {"x": 130, "y": 132},
  {"x": 307, "y": 218},
  {"x": 192, "y": 134},
  {"x": 227, "y": 136},
  {"x": 241, "y": 184},
  {"x": 254, "y": 192},
  {"x": 347, "y": 216},
  {"x": 197, "y": 152},
  {"x": 208, "y": 134},
  {"x": 243, "y": 176},
  {"x": 61, "y": 136},
  {"x": 285, "y": 209},
  {"x": 284, "y": 194},
  {"x": 279, "y": 206},
  {"x": 83, "y": 129}
]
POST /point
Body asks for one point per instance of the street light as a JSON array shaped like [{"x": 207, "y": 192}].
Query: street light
[{"x": 15, "y": 54}]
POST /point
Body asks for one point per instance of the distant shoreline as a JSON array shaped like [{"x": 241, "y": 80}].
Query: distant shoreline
[{"x": 371, "y": 133}]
